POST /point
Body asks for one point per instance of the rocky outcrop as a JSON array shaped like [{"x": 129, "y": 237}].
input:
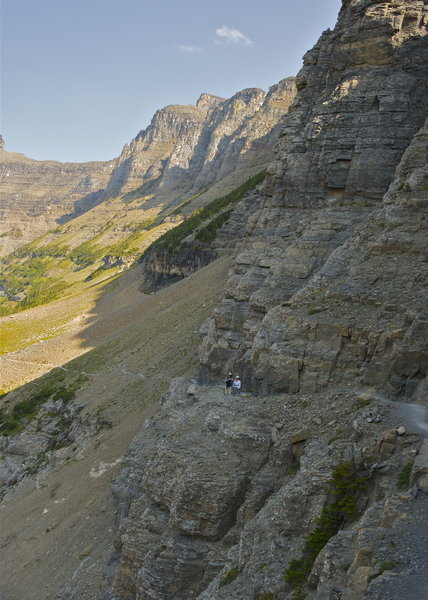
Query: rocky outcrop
[
  {"x": 163, "y": 268},
  {"x": 211, "y": 507},
  {"x": 323, "y": 316},
  {"x": 196, "y": 242},
  {"x": 217, "y": 492},
  {"x": 358, "y": 106}
]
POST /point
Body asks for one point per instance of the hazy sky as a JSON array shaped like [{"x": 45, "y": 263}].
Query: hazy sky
[{"x": 80, "y": 78}]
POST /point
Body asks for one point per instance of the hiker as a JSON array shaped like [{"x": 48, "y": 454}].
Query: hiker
[
  {"x": 236, "y": 386},
  {"x": 228, "y": 384}
]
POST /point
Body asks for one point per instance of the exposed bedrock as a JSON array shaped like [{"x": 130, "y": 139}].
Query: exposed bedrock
[
  {"x": 193, "y": 146},
  {"x": 217, "y": 493},
  {"x": 362, "y": 97}
]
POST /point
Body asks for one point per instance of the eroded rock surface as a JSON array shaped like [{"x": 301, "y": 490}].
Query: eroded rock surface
[
  {"x": 37, "y": 195},
  {"x": 358, "y": 107},
  {"x": 190, "y": 147},
  {"x": 217, "y": 492},
  {"x": 324, "y": 318}
]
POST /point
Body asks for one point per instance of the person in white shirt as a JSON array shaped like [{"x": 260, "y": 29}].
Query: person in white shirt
[{"x": 236, "y": 386}]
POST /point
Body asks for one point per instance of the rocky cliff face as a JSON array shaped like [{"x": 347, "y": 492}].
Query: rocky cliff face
[
  {"x": 323, "y": 316},
  {"x": 217, "y": 492},
  {"x": 362, "y": 96},
  {"x": 192, "y": 146}
]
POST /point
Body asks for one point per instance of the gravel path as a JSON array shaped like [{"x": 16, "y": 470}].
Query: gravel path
[{"x": 408, "y": 579}]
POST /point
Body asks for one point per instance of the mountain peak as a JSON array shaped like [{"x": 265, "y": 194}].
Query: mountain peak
[{"x": 208, "y": 101}]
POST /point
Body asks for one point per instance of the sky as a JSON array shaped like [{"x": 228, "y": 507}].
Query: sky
[{"x": 81, "y": 78}]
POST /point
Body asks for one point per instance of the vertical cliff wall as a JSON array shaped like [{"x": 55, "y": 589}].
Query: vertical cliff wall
[{"x": 362, "y": 95}]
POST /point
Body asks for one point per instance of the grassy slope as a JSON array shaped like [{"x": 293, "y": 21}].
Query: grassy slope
[
  {"x": 142, "y": 342},
  {"x": 68, "y": 260}
]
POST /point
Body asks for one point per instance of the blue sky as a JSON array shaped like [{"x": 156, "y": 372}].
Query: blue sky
[{"x": 81, "y": 78}]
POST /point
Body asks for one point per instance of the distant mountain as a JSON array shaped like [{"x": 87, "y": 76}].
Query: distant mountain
[
  {"x": 62, "y": 224},
  {"x": 35, "y": 196},
  {"x": 183, "y": 150},
  {"x": 311, "y": 483}
]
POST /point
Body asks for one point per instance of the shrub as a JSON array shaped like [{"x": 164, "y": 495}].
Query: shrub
[
  {"x": 403, "y": 478},
  {"x": 86, "y": 254},
  {"x": 209, "y": 232},
  {"x": 229, "y": 577},
  {"x": 52, "y": 387},
  {"x": 344, "y": 487},
  {"x": 387, "y": 565}
]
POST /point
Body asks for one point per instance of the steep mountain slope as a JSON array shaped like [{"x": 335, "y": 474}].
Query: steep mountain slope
[
  {"x": 218, "y": 494},
  {"x": 61, "y": 511},
  {"x": 313, "y": 482},
  {"x": 325, "y": 310},
  {"x": 184, "y": 150},
  {"x": 190, "y": 147},
  {"x": 362, "y": 96}
]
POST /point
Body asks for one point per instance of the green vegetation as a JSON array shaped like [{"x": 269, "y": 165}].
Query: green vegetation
[
  {"x": 179, "y": 209},
  {"x": 175, "y": 237},
  {"x": 335, "y": 438},
  {"x": 27, "y": 284},
  {"x": 15, "y": 232},
  {"x": 52, "y": 386},
  {"x": 343, "y": 488},
  {"x": 387, "y": 565},
  {"x": 315, "y": 310},
  {"x": 209, "y": 232},
  {"x": 31, "y": 274},
  {"x": 229, "y": 577},
  {"x": 293, "y": 468},
  {"x": 403, "y": 478},
  {"x": 362, "y": 403},
  {"x": 86, "y": 254}
]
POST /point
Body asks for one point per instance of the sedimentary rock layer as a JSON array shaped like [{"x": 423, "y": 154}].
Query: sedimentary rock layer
[
  {"x": 37, "y": 195},
  {"x": 362, "y": 95},
  {"x": 192, "y": 146}
]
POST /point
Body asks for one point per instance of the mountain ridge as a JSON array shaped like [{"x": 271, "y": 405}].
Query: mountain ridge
[{"x": 154, "y": 160}]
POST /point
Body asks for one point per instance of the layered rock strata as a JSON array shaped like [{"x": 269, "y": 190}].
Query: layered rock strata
[
  {"x": 362, "y": 96},
  {"x": 184, "y": 150},
  {"x": 218, "y": 492},
  {"x": 215, "y": 508},
  {"x": 192, "y": 146},
  {"x": 37, "y": 195}
]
